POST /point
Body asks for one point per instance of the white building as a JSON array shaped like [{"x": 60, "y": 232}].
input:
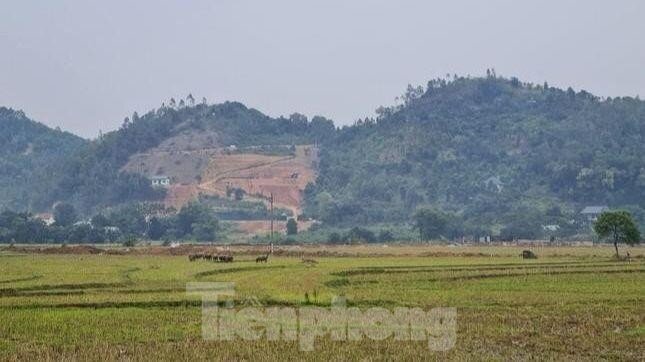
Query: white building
[
  {"x": 160, "y": 181},
  {"x": 46, "y": 217},
  {"x": 590, "y": 213}
]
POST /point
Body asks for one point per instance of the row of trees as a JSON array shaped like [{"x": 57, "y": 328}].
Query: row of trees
[
  {"x": 124, "y": 224},
  {"x": 525, "y": 224},
  {"x": 22, "y": 227},
  {"x": 613, "y": 226},
  {"x": 361, "y": 235}
]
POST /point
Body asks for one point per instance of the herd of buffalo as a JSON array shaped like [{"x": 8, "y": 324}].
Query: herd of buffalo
[{"x": 218, "y": 258}]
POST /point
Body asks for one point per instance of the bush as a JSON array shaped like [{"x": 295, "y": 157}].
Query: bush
[
  {"x": 335, "y": 238},
  {"x": 358, "y": 234},
  {"x": 130, "y": 241}
]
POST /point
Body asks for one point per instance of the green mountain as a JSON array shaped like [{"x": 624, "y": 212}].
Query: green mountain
[
  {"x": 95, "y": 178},
  {"x": 31, "y": 155},
  {"x": 494, "y": 152}
]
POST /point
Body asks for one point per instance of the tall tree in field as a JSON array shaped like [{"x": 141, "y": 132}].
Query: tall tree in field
[{"x": 617, "y": 226}]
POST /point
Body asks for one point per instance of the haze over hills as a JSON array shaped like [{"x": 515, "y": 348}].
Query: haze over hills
[{"x": 491, "y": 152}]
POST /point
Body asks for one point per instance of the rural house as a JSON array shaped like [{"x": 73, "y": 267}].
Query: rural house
[
  {"x": 46, "y": 217},
  {"x": 590, "y": 214},
  {"x": 160, "y": 181}
]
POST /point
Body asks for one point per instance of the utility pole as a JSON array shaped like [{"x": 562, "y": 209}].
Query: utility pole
[{"x": 271, "y": 202}]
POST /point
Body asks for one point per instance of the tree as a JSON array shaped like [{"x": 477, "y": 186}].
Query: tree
[
  {"x": 155, "y": 229},
  {"x": 335, "y": 238},
  {"x": 192, "y": 215},
  {"x": 64, "y": 214},
  {"x": 292, "y": 227},
  {"x": 100, "y": 221},
  {"x": 239, "y": 194},
  {"x": 523, "y": 223},
  {"x": 298, "y": 121},
  {"x": 430, "y": 223},
  {"x": 385, "y": 236},
  {"x": 80, "y": 233},
  {"x": 129, "y": 219},
  {"x": 359, "y": 234},
  {"x": 205, "y": 230},
  {"x": 619, "y": 227}
]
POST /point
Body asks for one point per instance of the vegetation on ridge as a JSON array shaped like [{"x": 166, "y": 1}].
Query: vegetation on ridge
[
  {"x": 492, "y": 155},
  {"x": 493, "y": 152}
]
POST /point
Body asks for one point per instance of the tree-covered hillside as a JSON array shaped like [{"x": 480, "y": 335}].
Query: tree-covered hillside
[
  {"x": 494, "y": 152},
  {"x": 94, "y": 178},
  {"x": 31, "y": 156}
]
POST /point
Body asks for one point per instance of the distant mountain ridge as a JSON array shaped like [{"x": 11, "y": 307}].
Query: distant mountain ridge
[{"x": 493, "y": 151}]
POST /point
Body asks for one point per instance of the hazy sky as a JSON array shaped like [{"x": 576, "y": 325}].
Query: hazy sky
[{"x": 85, "y": 65}]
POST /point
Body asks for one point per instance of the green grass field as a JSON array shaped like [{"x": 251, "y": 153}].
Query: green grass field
[{"x": 571, "y": 303}]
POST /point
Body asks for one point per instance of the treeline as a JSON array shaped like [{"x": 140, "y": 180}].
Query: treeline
[
  {"x": 430, "y": 224},
  {"x": 361, "y": 235},
  {"x": 124, "y": 224}
]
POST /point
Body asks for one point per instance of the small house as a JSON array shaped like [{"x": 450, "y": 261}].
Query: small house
[
  {"x": 160, "y": 181},
  {"x": 46, "y": 217},
  {"x": 551, "y": 228},
  {"x": 591, "y": 213},
  {"x": 112, "y": 229}
]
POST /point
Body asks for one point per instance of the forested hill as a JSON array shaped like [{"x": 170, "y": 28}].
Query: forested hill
[
  {"x": 31, "y": 155},
  {"x": 94, "y": 177},
  {"x": 493, "y": 151}
]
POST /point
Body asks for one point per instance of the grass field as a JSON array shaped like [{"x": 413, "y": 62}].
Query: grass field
[{"x": 571, "y": 303}]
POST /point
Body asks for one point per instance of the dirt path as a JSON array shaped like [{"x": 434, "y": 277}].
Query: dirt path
[
  {"x": 284, "y": 177},
  {"x": 222, "y": 176}
]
